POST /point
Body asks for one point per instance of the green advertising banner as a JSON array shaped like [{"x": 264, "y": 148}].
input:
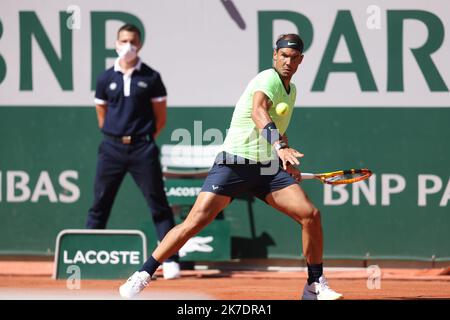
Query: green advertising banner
[
  {"x": 182, "y": 191},
  {"x": 213, "y": 243},
  {"x": 98, "y": 254},
  {"x": 401, "y": 212}
]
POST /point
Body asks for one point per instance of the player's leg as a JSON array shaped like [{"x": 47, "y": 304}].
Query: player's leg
[
  {"x": 294, "y": 202},
  {"x": 223, "y": 183},
  {"x": 205, "y": 209},
  {"x": 145, "y": 168},
  {"x": 109, "y": 175}
]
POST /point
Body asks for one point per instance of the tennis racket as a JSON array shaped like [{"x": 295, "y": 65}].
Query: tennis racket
[{"x": 339, "y": 177}]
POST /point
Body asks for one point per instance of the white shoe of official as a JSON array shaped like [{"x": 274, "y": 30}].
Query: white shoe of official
[
  {"x": 135, "y": 284},
  {"x": 320, "y": 291},
  {"x": 171, "y": 270}
]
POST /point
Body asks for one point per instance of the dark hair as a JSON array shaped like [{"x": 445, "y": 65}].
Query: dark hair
[
  {"x": 290, "y": 37},
  {"x": 131, "y": 28}
]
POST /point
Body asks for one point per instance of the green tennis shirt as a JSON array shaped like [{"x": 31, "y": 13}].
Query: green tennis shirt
[{"x": 243, "y": 138}]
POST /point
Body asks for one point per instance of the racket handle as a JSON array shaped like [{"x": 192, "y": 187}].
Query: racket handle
[{"x": 307, "y": 176}]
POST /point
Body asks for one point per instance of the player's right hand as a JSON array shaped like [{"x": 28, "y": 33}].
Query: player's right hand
[{"x": 294, "y": 172}]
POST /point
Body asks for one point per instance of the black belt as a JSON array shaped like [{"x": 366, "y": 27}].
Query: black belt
[{"x": 127, "y": 139}]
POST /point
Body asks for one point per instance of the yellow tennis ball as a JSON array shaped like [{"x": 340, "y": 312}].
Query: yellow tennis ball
[{"x": 282, "y": 108}]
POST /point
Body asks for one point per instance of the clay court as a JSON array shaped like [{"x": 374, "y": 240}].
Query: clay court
[{"x": 32, "y": 280}]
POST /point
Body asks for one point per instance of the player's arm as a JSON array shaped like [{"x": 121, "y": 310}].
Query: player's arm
[
  {"x": 160, "y": 113},
  {"x": 261, "y": 117},
  {"x": 260, "y": 109},
  {"x": 101, "y": 110},
  {"x": 293, "y": 171},
  {"x": 284, "y": 137}
]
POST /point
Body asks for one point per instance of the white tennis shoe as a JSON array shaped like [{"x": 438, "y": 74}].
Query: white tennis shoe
[
  {"x": 135, "y": 284},
  {"x": 320, "y": 291},
  {"x": 171, "y": 270}
]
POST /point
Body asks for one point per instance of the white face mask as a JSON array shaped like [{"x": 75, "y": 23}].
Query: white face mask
[{"x": 127, "y": 52}]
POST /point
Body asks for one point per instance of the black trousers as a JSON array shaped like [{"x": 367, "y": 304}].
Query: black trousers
[{"x": 141, "y": 160}]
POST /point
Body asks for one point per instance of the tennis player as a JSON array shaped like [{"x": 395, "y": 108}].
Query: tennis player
[{"x": 257, "y": 160}]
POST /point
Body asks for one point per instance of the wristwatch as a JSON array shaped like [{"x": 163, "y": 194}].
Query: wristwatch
[{"x": 280, "y": 145}]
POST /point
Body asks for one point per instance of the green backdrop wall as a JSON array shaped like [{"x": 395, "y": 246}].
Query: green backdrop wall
[{"x": 406, "y": 143}]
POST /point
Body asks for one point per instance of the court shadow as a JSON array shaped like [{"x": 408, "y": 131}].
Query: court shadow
[{"x": 248, "y": 248}]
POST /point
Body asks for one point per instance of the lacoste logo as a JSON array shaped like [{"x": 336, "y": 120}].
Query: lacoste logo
[
  {"x": 112, "y": 86},
  {"x": 197, "y": 244},
  {"x": 142, "y": 84}
]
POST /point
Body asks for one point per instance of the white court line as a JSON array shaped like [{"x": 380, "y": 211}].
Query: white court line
[
  {"x": 66, "y": 294},
  {"x": 289, "y": 269},
  {"x": 304, "y": 269}
]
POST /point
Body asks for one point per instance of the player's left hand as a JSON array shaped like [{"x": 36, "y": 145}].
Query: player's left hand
[
  {"x": 294, "y": 172},
  {"x": 289, "y": 156}
]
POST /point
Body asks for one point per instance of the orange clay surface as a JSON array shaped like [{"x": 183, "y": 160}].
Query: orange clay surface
[{"x": 32, "y": 280}]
